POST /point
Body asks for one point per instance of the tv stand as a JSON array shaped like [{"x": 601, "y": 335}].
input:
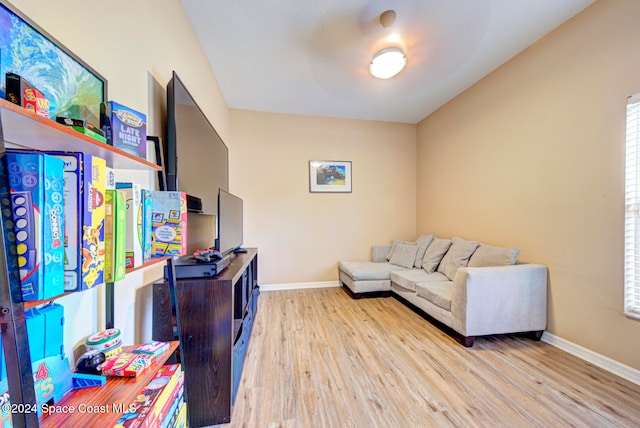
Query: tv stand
[{"x": 216, "y": 318}]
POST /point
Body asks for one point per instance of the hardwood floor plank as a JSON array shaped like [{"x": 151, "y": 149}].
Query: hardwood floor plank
[{"x": 318, "y": 358}]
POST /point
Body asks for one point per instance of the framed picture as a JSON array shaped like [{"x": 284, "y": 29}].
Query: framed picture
[
  {"x": 329, "y": 176},
  {"x": 72, "y": 88}
]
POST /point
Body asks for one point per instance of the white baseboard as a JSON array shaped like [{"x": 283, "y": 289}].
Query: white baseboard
[
  {"x": 606, "y": 363},
  {"x": 299, "y": 285}
]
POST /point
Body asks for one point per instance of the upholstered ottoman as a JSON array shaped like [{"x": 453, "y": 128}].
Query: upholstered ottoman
[{"x": 360, "y": 278}]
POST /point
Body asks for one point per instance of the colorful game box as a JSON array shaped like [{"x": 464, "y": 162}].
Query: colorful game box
[
  {"x": 147, "y": 209},
  {"x": 150, "y": 402},
  {"x": 84, "y": 189},
  {"x": 154, "y": 348},
  {"x": 19, "y": 91},
  {"x": 169, "y": 223},
  {"x": 36, "y": 182},
  {"x": 133, "y": 198},
  {"x": 115, "y": 240},
  {"x": 124, "y": 128},
  {"x": 127, "y": 364}
]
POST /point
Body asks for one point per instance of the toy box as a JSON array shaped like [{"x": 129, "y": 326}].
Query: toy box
[
  {"x": 133, "y": 232},
  {"x": 115, "y": 240},
  {"x": 169, "y": 223},
  {"x": 19, "y": 91},
  {"x": 84, "y": 189},
  {"x": 36, "y": 182},
  {"x": 124, "y": 128}
]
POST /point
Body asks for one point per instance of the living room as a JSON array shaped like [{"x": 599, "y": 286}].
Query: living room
[{"x": 531, "y": 156}]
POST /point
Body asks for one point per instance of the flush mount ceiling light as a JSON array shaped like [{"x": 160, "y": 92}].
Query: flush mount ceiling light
[{"x": 387, "y": 63}]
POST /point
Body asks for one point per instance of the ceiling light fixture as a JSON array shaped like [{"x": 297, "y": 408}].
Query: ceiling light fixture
[{"x": 387, "y": 63}]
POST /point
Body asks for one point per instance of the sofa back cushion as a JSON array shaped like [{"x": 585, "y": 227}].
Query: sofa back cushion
[
  {"x": 457, "y": 256},
  {"x": 435, "y": 251},
  {"x": 404, "y": 255},
  {"x": 423, "y": 243},
  {"x": 486, "y": 255}
]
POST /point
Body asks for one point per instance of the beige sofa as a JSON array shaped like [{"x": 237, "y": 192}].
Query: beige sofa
[{"x": 470, "y": 289}]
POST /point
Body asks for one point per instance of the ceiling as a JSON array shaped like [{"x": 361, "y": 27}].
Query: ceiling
[{"x": 311, "y": 57}]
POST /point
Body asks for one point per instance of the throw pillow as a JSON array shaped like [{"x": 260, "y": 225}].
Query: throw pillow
[
  {"x": 457, "y": 256},
  {"x": 435, "y": 251},
  {"x": 393, "y": 246},
  {"x": 404, "y": 255},
  {"x": 486, "y": 255},
  {"x": 422, "y": 242}
]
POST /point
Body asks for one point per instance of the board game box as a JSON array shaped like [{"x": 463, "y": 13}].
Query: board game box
[
  {"x": 124, "y": 128},
  {"x": 169, "y": 223},
  {"x": 36, "y": 183},
  {"x": 133, "y": 198},
  {"x": 84, "y": 189},
  {"x": 115, "y": 239}
]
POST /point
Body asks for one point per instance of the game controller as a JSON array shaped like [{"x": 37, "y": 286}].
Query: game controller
[{"x": 207, "y": 255}]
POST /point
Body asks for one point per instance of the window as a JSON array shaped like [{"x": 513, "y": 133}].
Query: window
[{"x": 632, "y": 211}]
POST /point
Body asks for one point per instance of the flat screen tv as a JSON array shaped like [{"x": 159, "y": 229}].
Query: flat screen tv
[
  {"x": 197, "y": 160},
  {"x": 229, "y": 222}
]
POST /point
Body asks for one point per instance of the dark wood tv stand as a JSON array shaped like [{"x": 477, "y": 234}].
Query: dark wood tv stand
[{"x": 216, "y": 318}]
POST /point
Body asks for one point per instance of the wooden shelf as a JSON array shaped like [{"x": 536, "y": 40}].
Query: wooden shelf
[
  {"x": 118, "y": 391},
  {"x": 28, "y": 130},
  {"x": 148, "y": 263},
  {"x": 33, "y": 303}
]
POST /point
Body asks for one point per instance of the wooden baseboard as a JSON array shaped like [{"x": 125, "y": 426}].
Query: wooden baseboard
[{"x": 606, "y": 363}]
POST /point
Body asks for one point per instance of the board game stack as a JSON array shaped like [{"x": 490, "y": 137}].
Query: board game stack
[
  {"x": 84, "y": 189},
  {"x": 169, "y": 223},
  {"x": 154, "y": 404},
  {"x": 132, "y": 194},
  {"x": 36, "y": 183}
]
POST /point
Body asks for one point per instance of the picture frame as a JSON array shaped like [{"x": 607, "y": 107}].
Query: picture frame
[
  {"x": 329, "y": 176},
  {"x": 72, "y": 87}
]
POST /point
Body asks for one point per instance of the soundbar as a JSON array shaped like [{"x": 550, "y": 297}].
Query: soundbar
[{"x": 189, "y": 267}]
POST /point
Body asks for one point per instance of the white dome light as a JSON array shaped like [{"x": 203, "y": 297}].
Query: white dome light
[{"x": 387, "y": 63}]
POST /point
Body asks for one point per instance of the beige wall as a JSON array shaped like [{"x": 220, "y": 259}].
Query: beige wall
[
  {"x": 301, "y": 235},
  {"x": 135, "y": 45},
  {"x": 533, "y": 156}
]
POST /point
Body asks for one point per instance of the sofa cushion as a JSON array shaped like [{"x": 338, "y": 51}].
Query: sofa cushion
[
  {"x": 438, "y": 293},
  {"x": 486, "y": 255},
  {"x": 458, "y": 256},
  {"x": 435, "y": 251},
  {"x": 360, "y": 271},
  {"x": 423, "y": 243},
  {"x": 404, "y": 255},
  {"x": 393, "y": 246},
  {"x": 408, "y": 278}
]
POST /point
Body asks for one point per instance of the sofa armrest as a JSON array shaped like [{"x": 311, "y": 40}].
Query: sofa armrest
[
  {"x": 501, "y": 299},
  {"x": 379, "y": 253}
]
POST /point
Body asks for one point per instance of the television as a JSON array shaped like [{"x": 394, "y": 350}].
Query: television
[
  {"x": 229, "y": 222},
  {"x": 196, "y": 158}
]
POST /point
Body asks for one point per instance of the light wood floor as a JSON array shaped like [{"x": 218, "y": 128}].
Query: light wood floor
[{"x": 317, "y": 358}]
